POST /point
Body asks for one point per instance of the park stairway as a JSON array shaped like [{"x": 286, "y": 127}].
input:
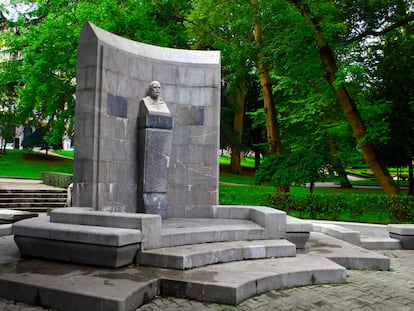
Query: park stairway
[{"x": 33, "y": 200}]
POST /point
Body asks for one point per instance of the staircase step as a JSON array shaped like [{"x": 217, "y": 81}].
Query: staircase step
[
  {"x": 84, "y": 288},
  {"x": 231, "y": 283},
  {"x": 380, "y": 243},
  {"x": 32, "y": 199},
  {"x": 199, "y": 255},
  {"x": 187, "y": 231},
  {"x": 22, "y": 191},
  {"x": 346, "y": 254}
]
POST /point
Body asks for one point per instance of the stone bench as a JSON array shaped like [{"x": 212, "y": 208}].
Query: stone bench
[
  {"x": 404, "y": 233},
  {"x": 103, "y": 246}
]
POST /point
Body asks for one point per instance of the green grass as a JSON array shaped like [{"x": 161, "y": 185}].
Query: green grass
[
  {"x": 24, "y": 164},
  {"x": 66, "y": 153},
  {"x": 246, "y": 162}
]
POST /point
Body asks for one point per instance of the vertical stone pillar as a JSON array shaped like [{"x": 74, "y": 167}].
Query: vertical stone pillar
[{"x": 154, "y": 150}]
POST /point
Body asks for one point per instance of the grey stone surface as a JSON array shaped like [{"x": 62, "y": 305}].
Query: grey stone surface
[
  {"x": 184, "y": 231},
  {"x": 380, "y": 243},
  {"x": 90, "y": 254},
  {"x": 5, "y": 229},
  {"x": 149, "y": 225},
  {"x": 10, "y": 215},
  {"x": 42, "y": 228},
  {"x": 345, "y": 234},
  {"x": 401, "y": 229},
  {"x": 154, "y": 157},
  {"x": 407, "y": 241},
  {"x": 346, "y": 254},
  {"x": 298, "y": 238},
  {"x": 231, "y": 283},
  {"x": 294, "y": 224},
  {"x": 198, "y": 255},
  {"x": 112, "y": 76},
  {"x": 76, "y": 288}
]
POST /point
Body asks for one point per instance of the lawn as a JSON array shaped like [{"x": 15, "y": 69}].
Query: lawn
[
  {"x": 233, "y": 189},
  {"x": 25, "y": 164}
]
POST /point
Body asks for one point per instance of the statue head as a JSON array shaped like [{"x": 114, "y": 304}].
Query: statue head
[{"x": 155, "y": 89}]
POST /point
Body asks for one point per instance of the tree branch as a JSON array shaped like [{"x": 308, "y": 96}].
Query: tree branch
[{"x": 390, "y": 28}]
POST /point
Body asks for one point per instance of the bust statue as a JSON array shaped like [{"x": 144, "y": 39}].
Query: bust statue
[{"x": 153, "y": 104}]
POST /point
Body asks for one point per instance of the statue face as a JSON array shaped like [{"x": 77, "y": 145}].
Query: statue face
[{"x": 155, "y": 89}]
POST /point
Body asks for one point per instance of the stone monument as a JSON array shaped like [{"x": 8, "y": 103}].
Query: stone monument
[
  {"x": 112, "y": 78},
  {"x": 146, "y": 192},
  {"x": 154, "y": 150}
]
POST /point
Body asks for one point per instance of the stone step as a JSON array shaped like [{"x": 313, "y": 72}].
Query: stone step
[
  {"x": 33, "y": 207},
  {"x": 5, "y": 229},
  {"x": 188, "y": 231},
  {"x": 346, "y": 254},
  {"x": 34, "y": 191},
  {"x": 33, "y": 199},
  {"x": 374, "y": 243},
  {"x": 8, "y": 216},
  {"x": 339, "y": 232},
  {"x": 73, "y": 287},
  {"x": 198, "y": 255}
]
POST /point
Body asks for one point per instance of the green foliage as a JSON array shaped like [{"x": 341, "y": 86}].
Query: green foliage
[
  {"x": 299, "y": 167},
  {"x": 352, "y": 207},
  {"x": 60, "y": 180},
  {"x": 42, "y": 45},
  {"x": 36, "y": 139}
]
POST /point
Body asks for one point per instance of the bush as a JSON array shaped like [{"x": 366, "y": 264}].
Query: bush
[
  {"x": 351, "y": 207},
  {"x": 60, "y": 180}
]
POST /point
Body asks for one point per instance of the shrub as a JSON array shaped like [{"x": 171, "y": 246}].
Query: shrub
[
  {"x": 351, "y": 207},
  {"x": 60, "y": 180}
]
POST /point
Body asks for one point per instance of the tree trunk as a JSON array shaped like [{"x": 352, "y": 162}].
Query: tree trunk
[
  {"x": 410, "y": 178},
  {"x": 349, "y": 107},
  {"x": 235, "y": 165},
  {"x": 272, "y": 125},
  {"x": 339, "y": 168}
]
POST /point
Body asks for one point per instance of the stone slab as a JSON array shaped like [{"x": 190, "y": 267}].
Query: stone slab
[
  {"x": 42, "y": 228},
  {"x": 346, "y": 254},
  {"x": 272, "y": 220},
  {"x": 184, "y": 231},
  {"x": 231, "y": 283},
  {"x": 401, "y": 229},
  {"x": 8, "y": 250},
  {"x": 70, "y": 287},
  {"x": 89, "y": 254},
  {"x": 407, "y": 241},
  {"x": 374, "y": 243},
  {"x": 294, "y": 224},
  {"x": 298, "y": 238},
  {"x": 198, "y": 255},
  {"x": 5, "y": 229},
  {"x": 149, "y": 225},
  {"x": 10, "y": 215},
  {"x": 343, "y": 233}
]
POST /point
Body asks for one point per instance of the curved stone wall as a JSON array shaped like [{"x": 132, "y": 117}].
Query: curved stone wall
[{"x": 113, "y": 76}]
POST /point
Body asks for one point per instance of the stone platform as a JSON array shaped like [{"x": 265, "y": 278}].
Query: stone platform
[
  {"x": 193, "y": 259},
  {"x": 65, "y": 286}
]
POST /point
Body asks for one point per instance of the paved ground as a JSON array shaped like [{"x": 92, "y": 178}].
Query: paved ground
[{"x": 365, "y": 290}]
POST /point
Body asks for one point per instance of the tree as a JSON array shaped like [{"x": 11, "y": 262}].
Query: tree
[
  {"x": 44, "y": 41},
  {"x": 345, "y": 100}
]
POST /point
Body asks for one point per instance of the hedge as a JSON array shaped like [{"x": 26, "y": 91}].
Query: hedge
[
  {"x": 61, "y": 180},
  {"x": 350, "y": 207}
]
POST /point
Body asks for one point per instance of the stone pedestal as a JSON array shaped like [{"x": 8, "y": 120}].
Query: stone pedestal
[{"x": 154, "y": 150}]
